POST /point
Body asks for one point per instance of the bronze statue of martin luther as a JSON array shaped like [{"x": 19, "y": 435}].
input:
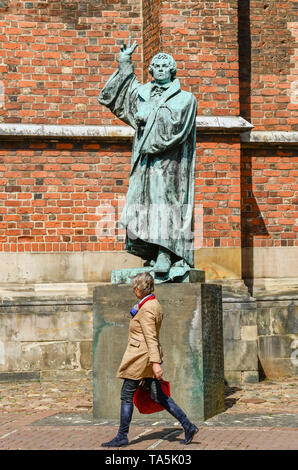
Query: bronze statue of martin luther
[{"x": 158, "y": 214}]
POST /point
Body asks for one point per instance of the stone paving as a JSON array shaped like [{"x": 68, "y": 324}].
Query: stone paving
[{"x": 58, "y": 415}]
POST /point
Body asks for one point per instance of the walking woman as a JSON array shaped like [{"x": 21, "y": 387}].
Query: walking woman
[{"x": 142, "y": 360}]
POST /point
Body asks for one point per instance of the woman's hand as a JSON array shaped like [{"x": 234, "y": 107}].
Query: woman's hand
[
  {"x": 157, "y": 370},
  {"x": 127, "y": 50}
]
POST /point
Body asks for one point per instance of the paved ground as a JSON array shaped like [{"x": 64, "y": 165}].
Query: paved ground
[{"x": 58, "y": 415}]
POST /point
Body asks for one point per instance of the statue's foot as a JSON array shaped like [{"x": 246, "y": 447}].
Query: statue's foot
[
  {"x": 181, "y": 263},
  {"x": 163, "y": 261}
]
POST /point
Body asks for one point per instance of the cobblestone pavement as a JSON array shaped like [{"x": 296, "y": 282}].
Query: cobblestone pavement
[{"x": 58, "y": 415}]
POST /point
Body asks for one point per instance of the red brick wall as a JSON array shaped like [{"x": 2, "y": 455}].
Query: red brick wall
[
  {"x": 269, "y": 197},
  {"x": 52, "y": 195},
  {"x": 57, "y": 55},
  {"x": 151, "y": 33},
  {"x": 218, "y": 189},
  {"x": 202, "y": 37},
  {"x": 268, "y": 38}
]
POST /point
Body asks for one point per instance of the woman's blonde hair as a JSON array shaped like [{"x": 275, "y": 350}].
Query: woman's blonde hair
[{"x": 144, "y": 282}]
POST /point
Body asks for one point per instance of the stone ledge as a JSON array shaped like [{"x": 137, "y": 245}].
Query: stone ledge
[
  {"x": 263, "y": 138},
  {"x": 222, "y": 124},
  {"x": 204, "y": 124},
  {"x": 274, "y": 289},
  {"x": 41, "y": 131}
]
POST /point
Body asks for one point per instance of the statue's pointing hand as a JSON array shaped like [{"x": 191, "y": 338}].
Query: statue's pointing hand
[{"x": 127, "y": 50}]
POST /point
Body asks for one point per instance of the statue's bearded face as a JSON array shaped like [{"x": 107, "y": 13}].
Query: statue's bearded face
[{"x": 161, "y": 70}]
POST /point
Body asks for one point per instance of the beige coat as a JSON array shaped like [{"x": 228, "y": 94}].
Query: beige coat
[{"x": 143, "y": 346}]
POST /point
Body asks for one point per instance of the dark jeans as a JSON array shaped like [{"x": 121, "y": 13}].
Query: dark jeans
[
  {"x": 129, "y": 387},
  {"x": 128, "y": 390}
]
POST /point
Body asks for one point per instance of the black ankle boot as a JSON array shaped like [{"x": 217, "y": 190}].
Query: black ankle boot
[
  {"x": 190, "y": 431},
  {"x": 189, "y": 428},
  {"x": 125, "y": 419}
]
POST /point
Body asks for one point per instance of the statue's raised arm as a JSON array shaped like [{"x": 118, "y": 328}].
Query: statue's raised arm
[{"x": 120, "y": 92}]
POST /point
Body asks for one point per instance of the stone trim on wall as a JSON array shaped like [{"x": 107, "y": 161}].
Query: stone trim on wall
[
  {"x": 276, "y": 266},
  {"x": 205, "y": 124},
  {"x": 40, "y": 131},
  {"x": 64, "y": 267},
  {"x": 223, "y": 124},
  {"x": 269, "y": 138}
]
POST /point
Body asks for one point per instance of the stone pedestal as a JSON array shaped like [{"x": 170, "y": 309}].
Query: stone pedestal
[{"x": 192, "y": 340}]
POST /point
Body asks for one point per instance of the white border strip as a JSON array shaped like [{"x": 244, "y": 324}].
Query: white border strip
[
  {"x": 270, "y": 137},
  {"x": 204, "y": 124}
]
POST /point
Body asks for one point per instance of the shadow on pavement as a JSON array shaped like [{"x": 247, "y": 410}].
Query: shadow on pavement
[{"x": 230, "y": 402}]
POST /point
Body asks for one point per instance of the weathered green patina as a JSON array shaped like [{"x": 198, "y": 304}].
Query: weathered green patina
[{"x": 158, "y": 215}]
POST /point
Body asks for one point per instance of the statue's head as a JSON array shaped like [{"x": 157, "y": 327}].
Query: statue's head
[{"x": 163, "y": 68}]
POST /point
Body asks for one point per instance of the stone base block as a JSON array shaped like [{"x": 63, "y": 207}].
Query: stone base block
[
  {"x": 278, "y": 355},
  {"x": 192, "y": 340},
  {"x": 240, "y": 336},
  {"x": 234, "y": 377}
]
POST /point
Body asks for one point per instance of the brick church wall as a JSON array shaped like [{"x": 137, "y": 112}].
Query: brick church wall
[
  {"x": 57, "y": 55},
  {"x": 238, "y": 58},
  {"x": 268, "y": 38}
]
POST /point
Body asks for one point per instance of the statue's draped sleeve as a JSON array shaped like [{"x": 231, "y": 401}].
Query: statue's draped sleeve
[
  {"x": 120, "y": 92},
  {"x": 171, "y": 127}
]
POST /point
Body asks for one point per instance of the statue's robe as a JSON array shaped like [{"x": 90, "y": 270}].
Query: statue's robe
[{"x": 160, "y": 198}]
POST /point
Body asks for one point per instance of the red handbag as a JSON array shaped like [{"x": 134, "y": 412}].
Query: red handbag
[{"x": 143, "y": 401}]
